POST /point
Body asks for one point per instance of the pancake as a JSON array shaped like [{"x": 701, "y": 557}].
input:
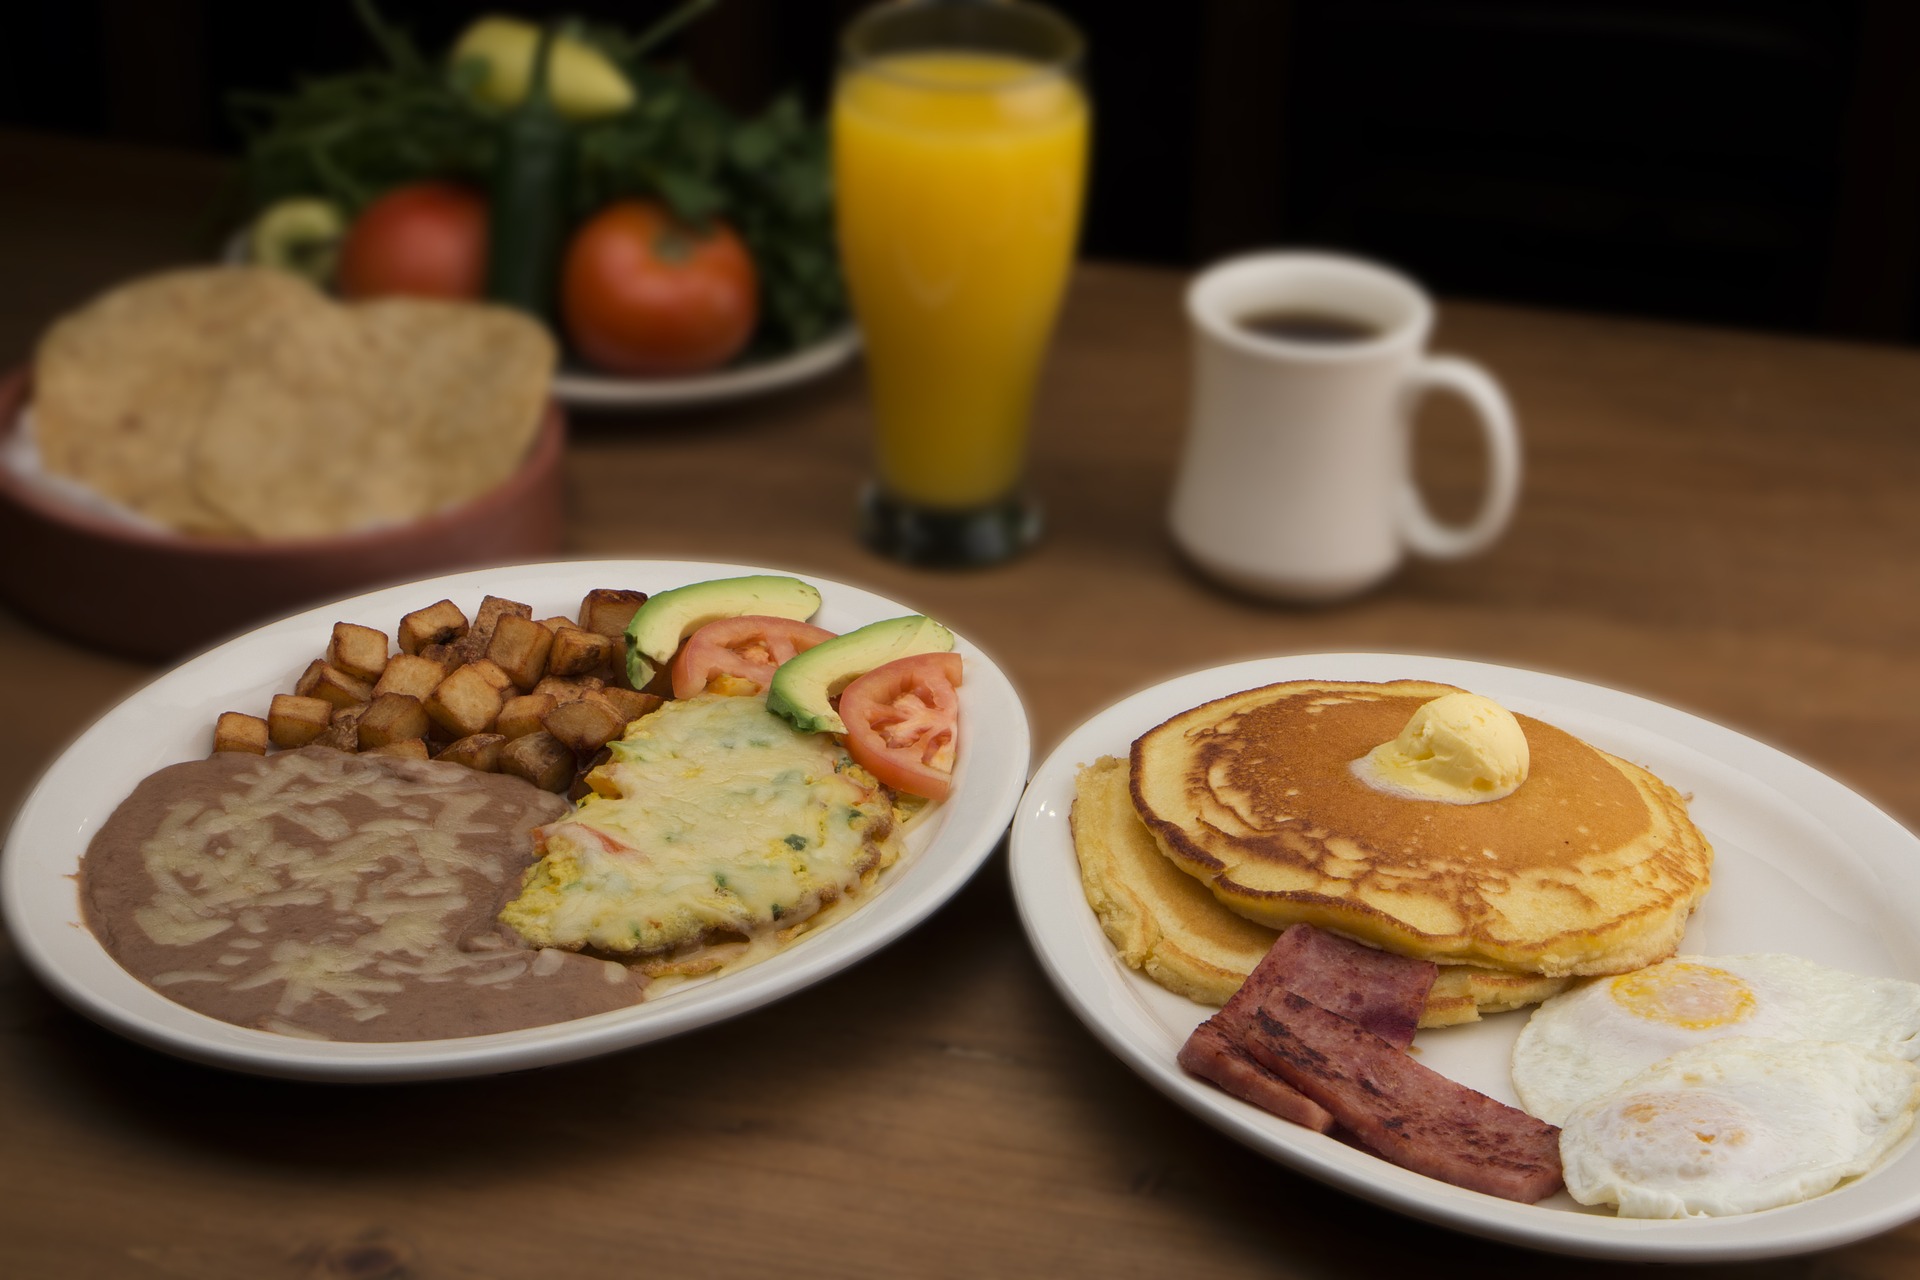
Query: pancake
[
  {"x": 1166, "y": 924},
  {"x": 1591, "y": 867}
]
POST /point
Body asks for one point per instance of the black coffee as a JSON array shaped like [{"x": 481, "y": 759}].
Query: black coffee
[{"x": 1300, "y": 325}]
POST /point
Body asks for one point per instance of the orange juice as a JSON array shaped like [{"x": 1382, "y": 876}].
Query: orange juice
[{"x": 958, "y": 182}]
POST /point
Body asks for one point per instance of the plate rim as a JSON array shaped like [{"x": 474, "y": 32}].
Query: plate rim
[
  {"x": 1042, "y": 821},
  {"x": 950, "y": 855},
  {"x": 587, "y": 390}
]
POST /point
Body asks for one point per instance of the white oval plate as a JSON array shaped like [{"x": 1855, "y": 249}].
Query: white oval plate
[
  {"x": 1803, "y": 865},
  {"x": 171, "y": 719},
  {"x": 580, "y": 388}
]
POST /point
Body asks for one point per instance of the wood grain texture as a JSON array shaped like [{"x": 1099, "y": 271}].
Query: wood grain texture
[{"x": 1722, "y": 521}]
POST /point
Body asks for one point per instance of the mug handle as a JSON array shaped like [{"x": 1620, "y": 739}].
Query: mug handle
[{"x": 1423, "y": 533}]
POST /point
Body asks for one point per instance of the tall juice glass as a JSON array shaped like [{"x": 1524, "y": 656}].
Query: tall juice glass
[{"x": 959, "y": 160}]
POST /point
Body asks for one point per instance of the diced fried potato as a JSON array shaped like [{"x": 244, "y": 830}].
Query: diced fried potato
[
  {"x": 630, "y": 704},
  {"x": 443, "y": 655},
  {"x": 495, "y": 675},
  {"x": 405, "y": 748},
  {"x": 479, "y": 751},
  {"x": 486, "y": 619},
  {"x": 343, "y": 734},
  {"x": 410, "y": 674},
  {"x": 465, "y": 702},
  {"x": 568, "y": 690},
  {"x": 558, "y": 624},
  {"x": 608, "y": 612},
  {"x": 238, "y": 731},
  {"x": 582, "y": 770},
  {"x": 541, "y": 759},
  {"x": 440, "y": 623},
  {"x": 519, "y": 648},
  {"x": 359, "y": 651},
  {"x": 390, "y": 718},
  {"x": 294, "y": 721},
  {"x": 577, "y": 651},
  {"x": 322, "y": 679},
  {"x": 522, "y": 715},
  {"x": 585, "y": 724}
]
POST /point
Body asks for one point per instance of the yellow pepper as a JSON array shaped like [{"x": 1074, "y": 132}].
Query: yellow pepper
[{"x": 584, "y": 83}]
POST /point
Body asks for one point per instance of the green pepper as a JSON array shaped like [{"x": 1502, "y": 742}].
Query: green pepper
[{"x": 528, "y": 226}]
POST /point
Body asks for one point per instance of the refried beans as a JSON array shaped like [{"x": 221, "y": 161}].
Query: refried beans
[{"x": 320, "y": 894}]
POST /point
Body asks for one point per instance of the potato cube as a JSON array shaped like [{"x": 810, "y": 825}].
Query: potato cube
[
  {"x": 465, "y": 702},
  {"x": 576, "y": 651},
  {"x": 444, "y": 655},
  {"x": 238, "y": 731},
  {"x": 632, "y": 705},
  {"x": 322, "y": 679},
  {"x": 519, "y": 648},
  {"x": 607, "y": 612},
  {"x": 568, "y": 689},
  {"x": 541, "y": 759},
  {"x": 495, "y": 675},
  {"x": 405, "y": 748},
  {"x": 343, "y": 734},
  {"x": 410, "y": 674},
  {"x": 392, "y": 717},
  {"x": 294, "y": 721},
  {"x": 557, "y": 624},
  {"x": 359, "y": 651},
  {"x": 585, "y": 724},
  {"x": 480, "y": 635},
  {"x": 522, "y": 715},
  {"x": 440, "y": 623},
  {"x": 478, "y": 751}
]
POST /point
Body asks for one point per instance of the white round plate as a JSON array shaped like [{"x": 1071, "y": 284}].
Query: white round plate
[
  {"x": 1803, "y": 865},
  {"x": 171, "y": 719},
  {"x": 579, "y": 388}
]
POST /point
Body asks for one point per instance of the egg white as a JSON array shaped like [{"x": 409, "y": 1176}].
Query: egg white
[
  {"x": 1738, "y": 1125},
  {"x": 1589, "y": 1040}
]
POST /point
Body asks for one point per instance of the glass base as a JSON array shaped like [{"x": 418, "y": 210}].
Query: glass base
[{"x": 947, "y": 539}]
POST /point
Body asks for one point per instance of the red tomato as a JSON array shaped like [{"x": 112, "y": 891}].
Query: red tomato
[
  {"x": 428, "y": 240},
  {"x": 902, "y": 722},
  {"x": 643, "y": 293},
  {"x": 744, "y": 649}
]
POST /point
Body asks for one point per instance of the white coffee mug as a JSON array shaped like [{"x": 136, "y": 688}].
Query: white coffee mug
[{"x": 1297, "y": 477}]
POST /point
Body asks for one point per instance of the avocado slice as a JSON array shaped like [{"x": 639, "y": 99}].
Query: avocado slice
[
  {"x": 804, "y": 685},
  {"x": 669, "y": 617}
]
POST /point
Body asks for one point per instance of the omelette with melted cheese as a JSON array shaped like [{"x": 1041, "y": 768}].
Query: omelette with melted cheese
[{"x": 714, "y": 823}]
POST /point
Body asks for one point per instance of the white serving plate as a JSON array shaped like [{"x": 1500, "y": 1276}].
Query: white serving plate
[
  {"x": 1802, "y": 865},
  {"x": 581, "y": 388},
  {"x": 171, "y": 719}
]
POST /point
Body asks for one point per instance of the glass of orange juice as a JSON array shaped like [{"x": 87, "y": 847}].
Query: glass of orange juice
[{"x": 959, "y": 162}]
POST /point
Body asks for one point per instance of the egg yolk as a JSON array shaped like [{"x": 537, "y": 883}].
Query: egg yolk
[{"x": 1694, "y": 997}]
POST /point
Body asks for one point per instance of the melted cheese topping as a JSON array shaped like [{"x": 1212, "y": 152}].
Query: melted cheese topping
[{"x": 714, "y": 817}]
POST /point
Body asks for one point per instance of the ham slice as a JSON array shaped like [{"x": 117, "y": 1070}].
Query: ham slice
[
  {"x": 1401, "y": 1109},
  {"x": 1384, "y": 993}
]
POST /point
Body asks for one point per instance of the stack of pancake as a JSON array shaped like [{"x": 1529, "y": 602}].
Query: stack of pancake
[{"x": 1241, "y": 817}]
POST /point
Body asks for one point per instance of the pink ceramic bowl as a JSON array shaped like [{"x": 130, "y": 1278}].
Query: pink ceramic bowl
[{"x": 157, "y": 596}]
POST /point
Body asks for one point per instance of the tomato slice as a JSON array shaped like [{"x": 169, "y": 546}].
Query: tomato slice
[
  {"x": 903, "y": 721},
  {"x": 743, "y": 650}
]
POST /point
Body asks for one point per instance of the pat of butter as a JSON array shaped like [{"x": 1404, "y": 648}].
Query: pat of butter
[{"x": 1459, "y": 749}]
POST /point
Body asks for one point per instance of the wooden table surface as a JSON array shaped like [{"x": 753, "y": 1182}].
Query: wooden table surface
[{"x": 1722, "y": 521}]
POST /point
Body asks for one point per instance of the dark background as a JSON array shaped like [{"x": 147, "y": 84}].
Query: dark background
[{"x": 1753, "y": 163}]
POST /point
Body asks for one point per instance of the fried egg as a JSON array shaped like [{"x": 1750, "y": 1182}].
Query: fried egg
[
  {"x": 714, "y": 820},
  {"x": 1590, "y": 1040},
  {"x": 1738, "y": 1125}
]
